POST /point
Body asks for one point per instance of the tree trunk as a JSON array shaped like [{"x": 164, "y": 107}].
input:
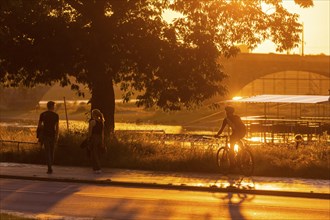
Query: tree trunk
[{"x": 103, "y": 98}]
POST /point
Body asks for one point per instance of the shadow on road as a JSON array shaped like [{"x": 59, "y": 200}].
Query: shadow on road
[{"x": 234, "y": 199}]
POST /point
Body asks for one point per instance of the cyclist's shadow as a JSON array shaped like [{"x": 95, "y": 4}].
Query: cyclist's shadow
[
  {"x": 235, "y": 182},
  {"x": 235, "y": 198},
  {"x": 235, "y": 201}
]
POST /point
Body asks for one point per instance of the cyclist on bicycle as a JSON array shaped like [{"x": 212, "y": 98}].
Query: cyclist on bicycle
[{"x": 238, "y": 129}]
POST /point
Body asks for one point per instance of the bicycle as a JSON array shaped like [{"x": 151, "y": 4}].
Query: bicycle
[{"x": 243, "y": 158}]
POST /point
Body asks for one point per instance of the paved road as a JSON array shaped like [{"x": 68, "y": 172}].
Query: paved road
[
  {"x": 133, "y": 194},
  {"x": 197, "y": 180},
  {"x": 44, "y": 199}
]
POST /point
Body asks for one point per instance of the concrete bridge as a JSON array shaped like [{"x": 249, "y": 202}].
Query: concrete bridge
[{"x": 247, "y": 67}]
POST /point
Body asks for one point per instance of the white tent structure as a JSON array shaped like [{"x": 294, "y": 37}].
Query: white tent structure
[
  {"x": 300, "y": 99},
  {"x": 292, "y": 102},
  {"x": 285, "y": 113}
]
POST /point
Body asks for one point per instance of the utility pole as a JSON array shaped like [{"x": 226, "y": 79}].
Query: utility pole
[{"x": 302, "y": 41}]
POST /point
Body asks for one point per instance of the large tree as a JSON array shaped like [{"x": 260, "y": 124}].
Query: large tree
[{"x": 102, "y": 43}]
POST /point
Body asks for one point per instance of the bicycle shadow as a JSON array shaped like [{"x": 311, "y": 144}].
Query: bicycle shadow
[
  {"x": 234, "y": 199},
  {"x": 235, "y": 182}
]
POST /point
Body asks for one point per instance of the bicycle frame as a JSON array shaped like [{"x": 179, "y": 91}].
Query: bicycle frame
[
  {"x": 240, "y": 144},
  {"x": 242, "y": 158}
]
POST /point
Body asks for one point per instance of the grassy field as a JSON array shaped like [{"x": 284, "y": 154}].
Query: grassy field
[
  {"x": 142, "y": 151},
  {"x": 5, "y": 216},
  {"x": 198, "y": 119}
]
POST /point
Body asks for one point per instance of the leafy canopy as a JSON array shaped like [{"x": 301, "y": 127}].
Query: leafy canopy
[{"x": 128, "y": 43}]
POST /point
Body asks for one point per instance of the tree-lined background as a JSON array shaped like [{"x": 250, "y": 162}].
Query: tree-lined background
[{"x": 128, "y": 43}]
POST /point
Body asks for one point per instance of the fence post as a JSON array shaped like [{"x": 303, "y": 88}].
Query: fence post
[{"x": 66, "y": 115}]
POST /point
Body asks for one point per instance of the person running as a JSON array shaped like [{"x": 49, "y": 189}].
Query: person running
[
  {"x": 96, "y": 138},
  {"x": 47, "y": 133},
  {"x": 237, "y": 127}
]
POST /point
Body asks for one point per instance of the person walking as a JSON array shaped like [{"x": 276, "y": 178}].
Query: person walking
[
  {"x": 47, "y": 133},
  {"x": 238, "y": 129},
  {"x": 96, "y": 138}
]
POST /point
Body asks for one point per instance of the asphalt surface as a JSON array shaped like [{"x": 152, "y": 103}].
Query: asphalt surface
[{"x": 291, "y": 187}]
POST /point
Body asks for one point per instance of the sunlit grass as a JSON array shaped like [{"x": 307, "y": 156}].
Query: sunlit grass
[
  {"x": 5, "y": 216},
  {"x": 307, "y": 161},
  {"x": 156, "y": 155},
  {"x": 151, "y": 151},
  {"x": 168, "y": 129},
  {"x": 18, "y": 134},
  {"x": 83, "y": 125}
]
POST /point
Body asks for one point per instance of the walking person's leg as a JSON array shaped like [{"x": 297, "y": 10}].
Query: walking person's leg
[
  {"x": 48, "y": 154},
  {"x": 95, "y": 158},
  {"x": 51, "y": 153},
  {"x": 95, "y": 154}
]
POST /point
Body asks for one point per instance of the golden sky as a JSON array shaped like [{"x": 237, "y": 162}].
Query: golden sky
[{"x": 316, "y": 28}]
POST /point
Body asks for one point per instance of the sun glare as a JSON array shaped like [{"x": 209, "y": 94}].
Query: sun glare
[
  {"x": 237, "y": 98},
  {"x": 235, "y": 147},
  {"x": 255, "y": 139},
  {"x": 170, "y": 15}
]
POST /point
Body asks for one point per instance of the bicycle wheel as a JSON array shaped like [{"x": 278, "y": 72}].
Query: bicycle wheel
[
  {"x": 223, "y": 160},
  {"x": 246, "y": 162}
]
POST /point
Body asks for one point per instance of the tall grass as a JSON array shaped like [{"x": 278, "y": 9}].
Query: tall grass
[
  {"x": 15, "y": 216},
  {"x": 310, "y": 161},
  {"x": 130, "y": 151},
  {"x": 18, "y": 134},
  {"x": 142, "y": 151}
]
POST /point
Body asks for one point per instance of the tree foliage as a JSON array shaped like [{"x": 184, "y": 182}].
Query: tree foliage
[{"x": 102, "y": 43}]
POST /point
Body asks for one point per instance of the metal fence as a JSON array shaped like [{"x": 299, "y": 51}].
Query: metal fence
[{"x": 19, "y": 145}]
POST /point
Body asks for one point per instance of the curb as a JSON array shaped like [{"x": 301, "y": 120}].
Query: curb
[{"x": 212, "y": 189}]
